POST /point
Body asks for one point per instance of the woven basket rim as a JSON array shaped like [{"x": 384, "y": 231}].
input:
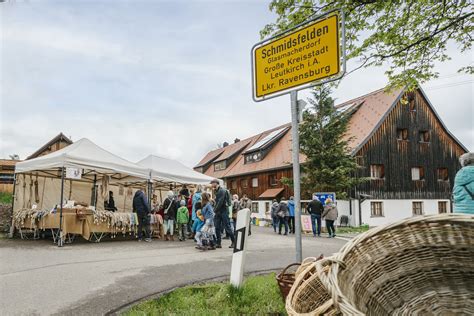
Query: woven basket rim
[{"x": 331, "y": 281}]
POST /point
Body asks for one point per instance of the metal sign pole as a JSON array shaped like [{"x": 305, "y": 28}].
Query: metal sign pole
[{"x": 296, "y": 173}]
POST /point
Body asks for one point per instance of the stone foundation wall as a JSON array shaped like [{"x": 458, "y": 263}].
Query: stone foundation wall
[{"x": 5, "y": 218}]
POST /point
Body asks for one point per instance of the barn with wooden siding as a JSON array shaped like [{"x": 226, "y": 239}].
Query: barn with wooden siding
[{"x": 398, "y": 139}]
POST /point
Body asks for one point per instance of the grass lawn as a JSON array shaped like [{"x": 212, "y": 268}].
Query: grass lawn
[
  {"x": 352, "y": 230},
  {"x": 260, "y": 295},
  {"x": 6, "y": 198}
]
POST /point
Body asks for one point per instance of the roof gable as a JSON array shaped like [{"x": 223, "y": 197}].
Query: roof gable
[{"x": 58, "y": 138}]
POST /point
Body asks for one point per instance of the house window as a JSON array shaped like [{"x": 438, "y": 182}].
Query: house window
[
  {"x": 360, "y": 161},
  {"x": 244, "y": 183},
  {"x": 442, "y": 174},
  {"x": 233, "y": 185},
  {"x": 442, "y": 207},
  {"x": 6, "y": 178},
  {"x": 199, "y": 169},
  {"x": 272, "y": 180},
  {"x": 221, "y": 165},
  {"x": 376, "y": 209},
  {"x": 267, "y": 207},
  {"x": 418, "y": 173},
  {"x": 402, "y": 134},
  {"x": 424, "y": 136},
  {"x": 253, "y": 157},
  {"x": 254, "y": 207},
  {"x": 377, "y": 171},
  {"x": 254, "y": 182},
  {"x": 417, "y": 208}
]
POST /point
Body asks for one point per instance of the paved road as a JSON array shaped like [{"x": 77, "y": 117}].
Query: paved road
[{"x": 37, "y": 278}]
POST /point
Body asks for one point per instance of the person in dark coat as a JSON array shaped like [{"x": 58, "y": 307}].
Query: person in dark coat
[
  {"x": 141, "y": 207},
  {"x": 221, "y": 210},
  {"x": 316, "y": 208},
  {"x": 110, "y": 204},
  {"x": 184, "y": 191},
  {"x": 283, "y": 214},
  {"x": 170, "y": 208}
]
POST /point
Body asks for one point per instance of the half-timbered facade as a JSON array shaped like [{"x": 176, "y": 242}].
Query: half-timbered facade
[{"x": 398, "y": 140}]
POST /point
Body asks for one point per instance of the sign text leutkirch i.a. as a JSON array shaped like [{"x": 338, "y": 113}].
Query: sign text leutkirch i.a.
[{"x": 304, "y": 56}]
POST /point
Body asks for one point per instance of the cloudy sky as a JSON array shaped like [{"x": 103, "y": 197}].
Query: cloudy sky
[{"x": 169, "y": 78}]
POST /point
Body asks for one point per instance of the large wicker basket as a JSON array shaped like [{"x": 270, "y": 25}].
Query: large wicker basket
[{"x": 419, "y": 266}]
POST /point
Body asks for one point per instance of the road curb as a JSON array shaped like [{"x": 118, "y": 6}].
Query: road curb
[{"x": 122, "y": 308}]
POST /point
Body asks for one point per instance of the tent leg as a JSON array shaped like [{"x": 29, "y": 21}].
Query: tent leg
[
  {"x": 60, "y": 240},
  {"x": 12, "y": 227}
]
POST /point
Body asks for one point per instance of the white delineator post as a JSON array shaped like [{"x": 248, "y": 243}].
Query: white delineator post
[
  {"x": 240, "y": 247},
  {"x": 295, "y": 138}
]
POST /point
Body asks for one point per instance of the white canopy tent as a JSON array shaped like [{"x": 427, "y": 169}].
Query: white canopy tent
[
  {"x": 174, "y": 170},
  {"x": 86, "y": 155}
]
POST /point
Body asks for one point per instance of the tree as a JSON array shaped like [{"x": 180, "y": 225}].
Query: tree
[
  {"x": 329, "y": 165},
  {"x": 14, "y": 157},
  {"x": 408, "y": 36}
]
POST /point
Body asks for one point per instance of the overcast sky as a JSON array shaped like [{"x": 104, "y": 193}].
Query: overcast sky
[{"x": 167, "y": 78}]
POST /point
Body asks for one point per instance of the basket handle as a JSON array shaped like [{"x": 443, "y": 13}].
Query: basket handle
[{"x": 289, "y": 266}]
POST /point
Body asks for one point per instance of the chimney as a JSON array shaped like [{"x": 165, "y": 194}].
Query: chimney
[
  {"x": 236, "y": 140},
  {"x": 225, "y": 144}
]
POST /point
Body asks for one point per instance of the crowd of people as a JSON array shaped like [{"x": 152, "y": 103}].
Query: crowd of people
[
  {"x": 195, "y": 215},
  {"x": 283, "y": 215}
]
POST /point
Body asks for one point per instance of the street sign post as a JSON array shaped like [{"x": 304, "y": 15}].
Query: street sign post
[{"x": 312, "y": 53}]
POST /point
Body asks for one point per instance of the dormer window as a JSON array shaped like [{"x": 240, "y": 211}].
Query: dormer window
[
  {"x": 220, "y": 165},
  {"x": 257, "y": 151},
  {"x": 253, "y": 157}
]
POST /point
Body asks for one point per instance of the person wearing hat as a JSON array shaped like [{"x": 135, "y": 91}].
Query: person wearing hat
[
  {"x": 463, "y": 190},
  {"x": 221, "y": 210}
]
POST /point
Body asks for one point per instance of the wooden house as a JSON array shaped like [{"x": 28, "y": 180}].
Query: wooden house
[
  {"x": 398, "y": 140},
  {"x": 7, "y": 166}
]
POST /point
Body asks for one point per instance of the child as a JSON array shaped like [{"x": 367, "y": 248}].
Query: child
[
  {"x": 182, "y": 220},
  {"x": 205, "y": 238},
  {"x": 199, "y": 219}
]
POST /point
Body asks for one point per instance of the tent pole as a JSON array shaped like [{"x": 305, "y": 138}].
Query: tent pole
[
  {"x": 60, "y": 241},
  {"x": 150, "y": 184},
  {"x": 12, "y": 227}
]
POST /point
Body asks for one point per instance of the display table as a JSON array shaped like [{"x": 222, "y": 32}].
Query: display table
[{"x": 84, "y": 224}]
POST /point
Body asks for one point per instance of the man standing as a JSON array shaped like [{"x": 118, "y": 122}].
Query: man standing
[
  {"x": 315, "y": 208},
  {"x": 221, "y": 210},
  {"x": 140, "y": 206},
  {"x": 247, "y": 203}
]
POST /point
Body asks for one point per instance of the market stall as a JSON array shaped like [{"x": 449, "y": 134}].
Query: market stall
[{"x": 65, "y": 192}]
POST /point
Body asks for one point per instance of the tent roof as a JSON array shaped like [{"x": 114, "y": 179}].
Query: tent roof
[
  {"x": 171, "y": 169},
  {"x": 86, "y": 155}
]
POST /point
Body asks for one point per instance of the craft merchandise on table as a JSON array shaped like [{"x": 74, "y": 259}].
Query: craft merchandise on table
[{"x": 81, "y": 220}]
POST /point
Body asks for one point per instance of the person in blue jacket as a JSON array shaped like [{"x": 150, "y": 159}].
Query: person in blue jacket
[
  {"x": 463, "y": 191},
  {"x": 291, "y": 219}
]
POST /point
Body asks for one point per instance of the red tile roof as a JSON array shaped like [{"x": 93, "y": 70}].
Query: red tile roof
[{"x": 368, "y": 111}]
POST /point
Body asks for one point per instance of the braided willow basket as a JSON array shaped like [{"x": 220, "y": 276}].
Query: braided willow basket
[{"x": 419, "y": 266}]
